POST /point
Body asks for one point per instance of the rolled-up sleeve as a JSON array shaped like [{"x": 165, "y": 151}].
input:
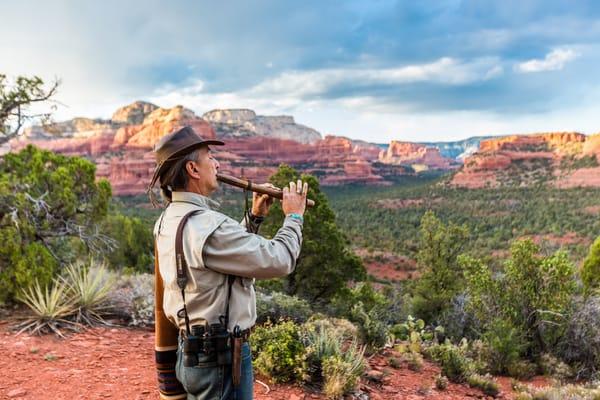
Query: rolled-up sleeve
[{"x": 230, "y": 249}]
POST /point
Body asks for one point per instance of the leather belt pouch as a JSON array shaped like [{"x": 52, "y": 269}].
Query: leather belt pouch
[{"x": 236, "y": 367}]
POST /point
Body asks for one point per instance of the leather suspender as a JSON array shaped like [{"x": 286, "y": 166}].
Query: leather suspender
[{"x": 182, "y": 278}]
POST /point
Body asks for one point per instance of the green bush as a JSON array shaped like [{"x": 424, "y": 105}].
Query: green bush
[
  {"x": 485, "y": 383},
  {"x": 533, "y": 296},
  {"x": 373, "y": 331},
  {"x": 50, "y": 206},
  {"x": 456, "y": 365},
  {"x": 276, "y": 305},
  {"x": 505, "y": 346},
  {"x": 366, "y": 308},
  {"x": 441, "y": 278},
  {"x": 590, "y": 272},
  {"x": 133, "y": 251},
  {"x": 281, "y": 354}
]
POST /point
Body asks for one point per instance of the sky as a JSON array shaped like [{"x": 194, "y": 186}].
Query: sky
[{"x": 374, "y": 70}]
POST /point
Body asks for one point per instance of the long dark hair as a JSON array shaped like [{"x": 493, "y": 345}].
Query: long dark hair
[{"x": 175, "y": 176}]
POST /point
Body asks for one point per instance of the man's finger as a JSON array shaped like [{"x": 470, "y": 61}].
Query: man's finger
[{"x": 305, "y": 189}]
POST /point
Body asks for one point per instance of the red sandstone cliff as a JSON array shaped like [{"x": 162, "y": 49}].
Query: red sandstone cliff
[
  {"x": 562, "y": 159},
  {"x": 408, "y": 153},
  {"x": 122, "y": 147}
]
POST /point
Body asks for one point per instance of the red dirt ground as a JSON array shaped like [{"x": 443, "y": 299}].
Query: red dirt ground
[{"x": 117, "y": 363}]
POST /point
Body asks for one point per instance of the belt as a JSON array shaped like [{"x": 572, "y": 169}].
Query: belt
[{"x": 245, "y": 334}]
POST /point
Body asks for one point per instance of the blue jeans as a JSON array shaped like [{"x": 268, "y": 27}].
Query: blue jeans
[{"x": 209, "y": 381}]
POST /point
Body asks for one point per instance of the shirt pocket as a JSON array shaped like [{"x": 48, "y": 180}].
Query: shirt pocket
[{"x": 207, "y": 279}]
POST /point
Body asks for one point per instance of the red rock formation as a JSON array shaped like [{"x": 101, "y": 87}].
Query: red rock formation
[
  {"x": 550, "y": 141},
  {"x": 161, "y": 122},
  {"x": 520, "y": 152},
  {"x": 90, "y": 146},
  {"x": 122, "y": 147},
  {"x": 408, "y": 153}
]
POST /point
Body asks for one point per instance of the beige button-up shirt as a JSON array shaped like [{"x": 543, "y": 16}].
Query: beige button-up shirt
[{"x": 216, "y": 246}]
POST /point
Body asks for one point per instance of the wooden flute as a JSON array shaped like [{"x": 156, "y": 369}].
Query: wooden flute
[{"x": 248, "y": 185}]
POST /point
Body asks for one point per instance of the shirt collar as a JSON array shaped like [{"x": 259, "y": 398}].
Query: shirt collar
[{"x": 195, "y": 198}]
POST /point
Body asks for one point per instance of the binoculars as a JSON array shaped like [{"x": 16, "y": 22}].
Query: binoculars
[{"x": 212, "y": 340}]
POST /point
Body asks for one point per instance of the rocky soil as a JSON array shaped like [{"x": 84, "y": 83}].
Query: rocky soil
[{"x": 117, "y": 363}]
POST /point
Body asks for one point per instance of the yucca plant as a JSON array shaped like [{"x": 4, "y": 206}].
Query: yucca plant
[
  {"x": 342, "y": 372},
  {"x": 50, "y": 306},
  {"x": 89, "y": 285}
]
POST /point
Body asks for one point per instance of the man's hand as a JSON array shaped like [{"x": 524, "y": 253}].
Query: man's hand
[
  {"x": 261, "y": 203},
  {"x": 294, "y": 198}
]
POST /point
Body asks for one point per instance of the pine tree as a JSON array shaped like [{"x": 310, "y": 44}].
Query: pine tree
[{"x": 326, "y": 263}]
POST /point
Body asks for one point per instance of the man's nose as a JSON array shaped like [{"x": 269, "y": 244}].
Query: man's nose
[{"x": 217, "y": 165}]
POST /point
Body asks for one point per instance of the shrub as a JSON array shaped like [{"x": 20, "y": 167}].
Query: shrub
[
  {"x": 532, "y": 296},
  {"x": 89, "y": 285},
  {"x": 133, "y": 299},
  {"x": 441, "y": 278},
  {"x": 368, "y": 309},
  {"x": 485, "y": 383},
  {"x": 441, "y": 382},
  {"x": 590, "y": 272},
  {"x": 395, "y": 362},
  {"x": 333, "y": 339},
  {"x": 570, "y": 392},
  {"x": 552, "y": 366},
  {"x": 522, "y": 369},
  {"x": 580, "y": 345},
  {"x": 50, "y": 307},
  {"x": 505, "y": 345},
  {"x": 281, "y": 355},
  {"x": 50, "y": 205},
  {"x": 414, "y": 360},
  {"x": 276, "y": 305},
  {"x": 134, "y": 244},
  {"x": 341, "y": 373},
  {"x": 458, "y": 320},
  {"x": 456, "y": 366}
]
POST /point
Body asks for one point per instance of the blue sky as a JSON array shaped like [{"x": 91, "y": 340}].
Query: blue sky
[{"x": 371, "y": 70}]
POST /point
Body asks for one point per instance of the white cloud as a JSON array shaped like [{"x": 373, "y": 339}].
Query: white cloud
[
  {"x": 554, "y": 61},
  {"x": 446, "y": 70}
]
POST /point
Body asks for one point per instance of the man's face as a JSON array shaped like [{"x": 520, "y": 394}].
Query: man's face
[{"x": 206, "y": 176}]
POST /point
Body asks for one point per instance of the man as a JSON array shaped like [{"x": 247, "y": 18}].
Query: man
[{"x": 204, "y": 284}]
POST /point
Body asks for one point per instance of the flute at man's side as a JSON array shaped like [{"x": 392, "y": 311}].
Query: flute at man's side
[{"x": 245, "y": 184}]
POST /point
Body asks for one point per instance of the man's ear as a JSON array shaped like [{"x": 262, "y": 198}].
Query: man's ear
[{"x": 191, "y": 168}]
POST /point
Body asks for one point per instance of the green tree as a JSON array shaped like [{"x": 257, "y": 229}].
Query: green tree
[
  {"x": 50, "y": 206},
  {"x": 538, "y": 291},
  {"x": 441, "y": 274},
  {"x": 590, "y": 272},
  {"x": 533, "y": 294},
  {"x": 15, "y": 99},
  {"x": 134, "y": 250},
  {"x": 326, "y": 263}
]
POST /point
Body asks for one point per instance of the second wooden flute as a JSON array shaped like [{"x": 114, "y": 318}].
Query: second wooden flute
[{"x": 245, "y": 184}]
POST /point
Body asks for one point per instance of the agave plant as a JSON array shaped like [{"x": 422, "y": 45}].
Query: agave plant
[
  {"x": 89, "y": 285},
  {"x": 50, "y": 308}
]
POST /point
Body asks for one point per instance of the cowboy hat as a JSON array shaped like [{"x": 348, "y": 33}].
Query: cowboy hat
[{"x": 176, "y": 145}]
